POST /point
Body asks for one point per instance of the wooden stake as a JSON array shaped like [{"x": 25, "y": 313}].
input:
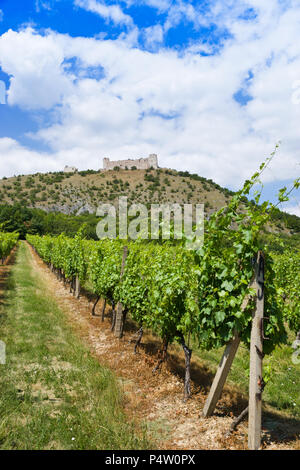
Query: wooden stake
[
  {"x": 224, "y": 368},
  {"x": 256, "y": 357},
  {"x": 77, "y": 287},
  {"x": 221, "y": 376},
  {"x": 103, "y": 310},
  {"x": 118, "y": 328}
]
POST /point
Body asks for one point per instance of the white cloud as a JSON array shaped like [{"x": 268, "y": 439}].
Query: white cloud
[
  {"x": 35, "y": 64},
  {"x": 160, "y": 5},
  {"x": 293, "y": 210},
  {"x": 42, "y": 4},
  {"x": 2, "y": 92},
  {"x": 109, "y": 12},
  {"x": 183, "y": 11},
  {"x": 153, "y": 35},
  {"x": 179, "y": 106},
  {"x": 16, "y": 159}
]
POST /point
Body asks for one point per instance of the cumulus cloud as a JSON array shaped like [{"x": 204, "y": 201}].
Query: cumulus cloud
[
  {"x": 295, "y": 210},
  {"x": 112, "y": 13},
  {"x": 153, "y": 35},
  {"x": 2, "y": 92},
  {"x": 178, "y": 105},
  {"x": 183, "y": 10},
  {"x": 34, "y": 63},
  {"x": 20, "y": 160}
]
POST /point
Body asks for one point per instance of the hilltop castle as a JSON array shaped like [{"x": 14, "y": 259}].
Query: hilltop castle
[
  {"x": 70, "y": 169},
  {"x": 139, "y": 164}
]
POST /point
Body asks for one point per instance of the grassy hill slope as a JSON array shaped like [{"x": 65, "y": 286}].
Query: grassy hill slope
[
  {"x": 83, "y": 191},
  {"x": 79, "y": 193}
]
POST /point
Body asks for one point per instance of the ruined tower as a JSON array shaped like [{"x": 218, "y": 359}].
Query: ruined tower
[{"x": 140, "y": 163}]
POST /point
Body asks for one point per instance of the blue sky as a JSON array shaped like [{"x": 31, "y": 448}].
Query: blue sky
[
  {"x": 67, "y": 17},
  {"x": 210, "y": 86}
]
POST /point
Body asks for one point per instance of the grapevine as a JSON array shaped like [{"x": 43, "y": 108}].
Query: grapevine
[
  {"x": 7, "y": 242},
  {"x": 176, "y": 292}
]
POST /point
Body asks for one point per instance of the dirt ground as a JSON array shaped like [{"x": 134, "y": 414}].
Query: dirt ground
[
  {"x": 4, "y": 273},
  {"x": 156, "y": 400}
]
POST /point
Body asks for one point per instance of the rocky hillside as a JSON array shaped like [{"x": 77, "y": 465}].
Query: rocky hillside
[{"x": 82, "y": 192}]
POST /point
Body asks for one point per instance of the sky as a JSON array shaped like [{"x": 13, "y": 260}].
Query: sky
[{"x": 210, "y": 86}]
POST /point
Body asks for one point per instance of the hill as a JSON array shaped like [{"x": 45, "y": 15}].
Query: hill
[
  {"x": 80, "y": 193},
  {"x": 76, "y": 193}
]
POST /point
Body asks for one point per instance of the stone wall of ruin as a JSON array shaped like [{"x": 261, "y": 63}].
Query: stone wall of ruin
[{"x": 140, "y": 163}]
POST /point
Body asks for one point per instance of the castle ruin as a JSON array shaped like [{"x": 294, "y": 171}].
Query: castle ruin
[
  {"x": 70, "y": 169},
  {"x": 139, "y": 164}
]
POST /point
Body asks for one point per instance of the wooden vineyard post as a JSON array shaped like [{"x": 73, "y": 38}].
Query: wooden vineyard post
[
  {"x": 221, "y": 376},
  {"x": 103, "y": 310},
  {"x": 223, "y": 368},
  {"x": 77, "y": 287},
  {"x": 256, "y": 357},
  {"x": 118, "y": 329}
]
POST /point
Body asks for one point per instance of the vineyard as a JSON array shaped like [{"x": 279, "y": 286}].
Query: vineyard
[
  {"x": 234, "y": 289},
  {"x": 287, "y": 280},
  {"x": 7, "y": 243},
  {"x": 161, "y": 286},
  {"x": 207, "y": 295},
  {"x": 178, "y": 292},
  {"x": 150, "y": 228}
]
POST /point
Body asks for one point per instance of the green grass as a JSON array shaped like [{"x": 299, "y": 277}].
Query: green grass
[
  {"x": 53, "y": 393},
  {"x": 282, "y": 389}
]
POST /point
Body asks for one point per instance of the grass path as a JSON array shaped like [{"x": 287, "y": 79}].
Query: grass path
[{"x": 53, "y": 393}]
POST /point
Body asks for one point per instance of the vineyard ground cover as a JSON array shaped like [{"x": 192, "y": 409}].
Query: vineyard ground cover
[
  {"x": 157, "y": 398},
  {"x": 4, "y": 274},
  {"x": 282, "y": 390},
  {"x": 54, "y": 394}
]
